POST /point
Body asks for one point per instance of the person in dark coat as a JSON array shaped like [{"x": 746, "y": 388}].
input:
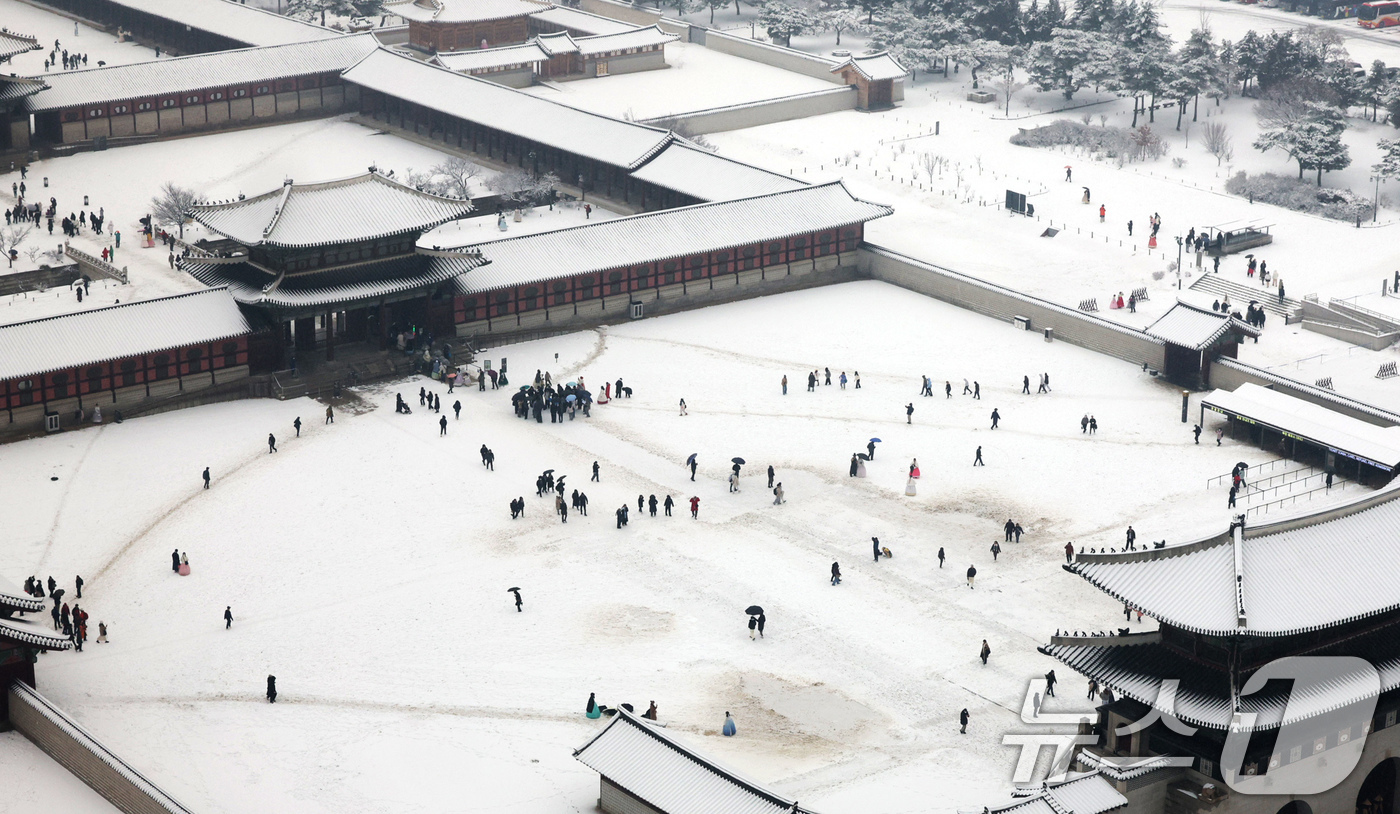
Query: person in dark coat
[
  {"x": 174, "y": 562},
  {"x": 996, "y": 549},
  {"x": 668, "y": 504},
  {"x": 228, "y": 617},
  {"x": 1050, "y": 684},
  {"x": 909, "y": 413},
  {"x": 996, "y": 417},
  {"x": 591, "y": 705},
  {"x": 519, "y": 603},
  {"x": 870, "y": 449},
  {"x": 442, "y": 425},
  {"x": 962, "y": 721},
  {"x": 770, "y": 476},
  {"x": 875, "y": 544},
  {"x": 619, "y": 516},
  {"x": 296, "y": 425},
  {"x": 836, "y": 573},
  {"x": 753, "y": 628},
  {"x": 977, "y": 461},
  {"x": 971, "y": 574},
  {"x": 457, "y": 410},
  {"x": 941, "y": 556},
  {"x": 651, "y": 505},
  {"x": 762, "y": 620},
  {"x": 1233, "y": 491},
  {"x": 1009, "y": 527},
  {"x": 1196, "y": 431},
  {"x": 855, "y": 464},
  {"x": 595, "y": 470},
  {"x": 206, "y": 477},
  {"x": 272, "y": 689},
  {"x": 271, "y": 443},
  {"x": 1026, "y": 385},
  {"x": 986, "y": 651}
]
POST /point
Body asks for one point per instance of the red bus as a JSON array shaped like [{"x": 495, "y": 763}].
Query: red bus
[{"x": 1379, "y": 15}]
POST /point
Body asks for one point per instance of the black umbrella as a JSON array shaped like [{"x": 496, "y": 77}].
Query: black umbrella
[
  {"x": 512, "y": 590},
  {"x": 549, "y": 472},
  {"x": 738, "y": 460},
  {"x": 1242, "y": 465},
  {"x": 524, "y": 387},
  {"x": 862, "y": 456},
  {"x": 691, "y": 459},
  {"x": 754, "y": 610}
]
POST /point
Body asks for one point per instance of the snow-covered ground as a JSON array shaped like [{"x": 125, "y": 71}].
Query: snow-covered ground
[
  {"x": 367, "y": 567},
  {"x": 698, "y": 79},
  {"x": 23, "y": 18},
  {"x": 216, "y": 166}
]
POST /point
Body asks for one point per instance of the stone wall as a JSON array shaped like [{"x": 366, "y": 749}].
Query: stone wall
[
  {"x": 44, "y": 278},
  {"x": 768, "y": 111},
  {"x": 19, "y": 421},
  {"x": 74, "y": 749},
  {"x": 1228, "y": 374},
  {"x": 998, "y": 302},
  {"x": 789, "y": 59}
]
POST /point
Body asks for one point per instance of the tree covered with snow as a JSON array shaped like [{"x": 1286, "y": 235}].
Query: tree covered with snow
[
  {"x": 1389, "y": 165},
  {"x": 1195, "y": 70},
  {"x": 316, "y": 10},
  {"x": 1069, "y": 61},
  {"x": 1314, "y": 141},
  {"x": 171, "y": 207},
  {"x": 783, "y": 20},
  {"x": 840, "y": 18}
]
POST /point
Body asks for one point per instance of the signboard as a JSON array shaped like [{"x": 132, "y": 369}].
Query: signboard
[{"x": 1015, "y": 202}]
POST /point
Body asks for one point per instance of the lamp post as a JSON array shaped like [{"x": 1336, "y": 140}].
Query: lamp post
[
  {"x": 1180, "y": 242},
  {"x": 1376, "y": 201}
]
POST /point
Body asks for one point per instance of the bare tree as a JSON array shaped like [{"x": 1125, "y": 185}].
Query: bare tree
[
  {"x": 1218, "y": 142},
  {"x": 172, "y": 206},
  {"x": 932, "y": 164},
  {"x": 514, "y": 186},
  {"x": 10, "y": 239},
  {"x": 458, "y": 174}
]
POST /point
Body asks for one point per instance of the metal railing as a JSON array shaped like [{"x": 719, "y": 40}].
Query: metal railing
[
  {"x": 1293, "y": 499},
  {"x": 1290, "y": 486},
  {"x": 1264, "y": 467}
]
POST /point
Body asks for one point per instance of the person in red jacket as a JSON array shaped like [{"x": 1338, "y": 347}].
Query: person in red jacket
[{"x": 695, "y": 507}]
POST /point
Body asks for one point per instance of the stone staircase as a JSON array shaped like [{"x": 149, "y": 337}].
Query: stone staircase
[{"x": 1240, "y": 295}]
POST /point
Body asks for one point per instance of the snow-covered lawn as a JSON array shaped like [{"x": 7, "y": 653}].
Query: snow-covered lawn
[
  {"x": 698, "y": 79},
  {"x": 215, "y": 166},
  {"x": 367, "y": 564}
]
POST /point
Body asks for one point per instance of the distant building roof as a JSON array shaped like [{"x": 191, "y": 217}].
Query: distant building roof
[
  {"x": 636, "y": 38},
  {"x": 236, "y": 21},
  {"x": 710, "y": 177},
  {"x": 1382, "y": 416},
  {"x": 33, "y": 633},
  {"x": 1295, "y": 575},
  {"x": 484, "y": 59},
  {"x": 610, "y": 141},
  {"x": 1203, "y": 697},
  {"x": 18, "y": 87},
  {"x": 13, "y": 44},
  {"x": 220, "y": 69},
  {"x": 665, "y": 234},
  {"x": 117, "y": 331},
  {"x": 874, "y": 66},
  {"x": 362, "y": 207},
  {"x": 373, "y": 280},
  {"x": 463, "y": 11},
  {"x": 581, "y": 22},
  {"x": 1195, "y": 328},
  {"x": 1340, "y": 434},
  {"x": 654, "y": 766}
]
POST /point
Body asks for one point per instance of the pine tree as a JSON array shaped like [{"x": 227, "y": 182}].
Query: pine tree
[
  {"x": 1249, "y": 56},
  {"x": 784, "y": 21},
  {"x": 1065, "y": 63},
  {"x": 1093, "y": 15},
  {"x": 1315, "y": 142}
]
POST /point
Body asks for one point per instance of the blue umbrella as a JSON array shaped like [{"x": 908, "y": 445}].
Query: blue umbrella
[
  {"x": 876, "y": 441},
  {"x": 571, "y": 397},
  {"x": 691, "y": 459}
]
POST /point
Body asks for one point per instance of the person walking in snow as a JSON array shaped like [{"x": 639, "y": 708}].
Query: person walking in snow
[
  {"x": 947, "y": 389},
  {"x": 941, "y": 556},
  {"x": 1084, "y": 424},
  {"x": 971, "y": 574},
  {"x": 695, "y": 508},
  {"x": 729, "y": 730},
  {"x": 966, "y": 388},
  {"x": 206, "y": 477},
  {"x": 986, "y": 651},
  {"x": 784, "y": 384},
  {"x": 1026, "y": 385},
  {"x": 733, "y": 481},
  {"x": 651, "y": 505},
  {"x": 271, "y": 443},
  {"x": 875, "y": 543},
  {"x": 870, "y": 450},
  {"x": 753, "y": 628},
  {"x": 1050, "y": 684},
  {"x": 228, "y": 617},
  {"x": 855, "y": 464},
  {"x": 762, "y": 620},
  {"x": 978, "y": 460},
  {"x": 996, "y": 549},
  {"x": 828, "y": 375},
  {"x": 330, "y": 414},
  {"x": 977, "y": 390},
  {"x": 174, "y": 566},
  {"x": 812, "y": 382},
  {"x": 519, "y": 603},
  {"x": 457, "y": 410},
  {"x": 668, "y": 504},
  {"x": 1131, "y": 537},
  {"x": 996, "y": 417},
  {"x": 908, "y": 414},
  {"x": 778, "y": 495},
  {"x": 442, "y": 426},
  {"x": 843, "y": 380},
  {"x": 272, "y": 689},
  {"x": 770, "y": 476},
  {"x": 595, "y": 470},
  {"x": 1196, "y": 432},
  {"x": 296, "y": 425},
  {"x": 1069, "y": 551},
  {"x": 683, "y": 410},
  {"x": 1009, "y": 527},
  {"x": 1093, "y": 425},
  {"x": 1233, "y": 491},
  {"x": 836, "y": 573},
  {"x": 962, "y": 721}
]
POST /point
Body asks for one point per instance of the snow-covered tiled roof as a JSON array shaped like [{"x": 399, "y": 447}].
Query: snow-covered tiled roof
[
  {"x": 117, "y": 331},
  {"x": 362, "y": 207},
  {"x": 1191, "y": 327},
  {"x": 1296, "y": 575},
  {"x": 710, "y": 177},
  {"x": 488, "y": 58},
  {"x": 1312, "y": 390},
  {"x": 35, "y": 634},
  {"x": 220, "y": 69},
  {"x": 18, "y": 87},
  {"x": 636, "y": 38},
  {"x": 560, "y": 42},
  {"x": 874, "y": 67},
  {"x": 12, "y": 596},
  {"x": 1340, "y": 434},
  {"x": 665, "y": 234},
  {"x": 12, "y": 44},
  {"x": 237, "y": 21},
  {"x": 1119, "y": 769},
  {"x": 611, "y": 141},
  {"x": 581, "y": 22},
  {"x": 1090, "y": 794},
  {"x": 353, "y": 283},
  {"x": 654, "y": 766},
  {"x": 1203, "y": 696},
  {"x": 463, "y": 11}
]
